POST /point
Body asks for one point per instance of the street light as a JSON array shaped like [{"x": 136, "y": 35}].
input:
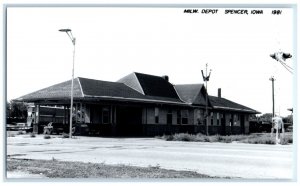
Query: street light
[{"x": 73, "y": 39}]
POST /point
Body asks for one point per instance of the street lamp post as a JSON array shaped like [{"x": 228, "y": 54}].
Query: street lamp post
[
  {"x": 206, "y": 79},
  {"x": 73, "y": 39}
]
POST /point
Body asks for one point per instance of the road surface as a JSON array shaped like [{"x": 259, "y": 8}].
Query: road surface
[{"x": 251, "y": 161}]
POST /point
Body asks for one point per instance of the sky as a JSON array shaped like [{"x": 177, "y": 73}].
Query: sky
[{"x": 114, "y": 42}]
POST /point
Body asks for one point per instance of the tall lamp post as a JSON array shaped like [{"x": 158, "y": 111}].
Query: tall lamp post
[
  {"x": 206, "y": 79},
  {"x": 73, "y": 39}
]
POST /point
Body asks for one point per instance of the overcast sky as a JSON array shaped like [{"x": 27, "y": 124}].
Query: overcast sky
[{"x": 113, "y": 42}]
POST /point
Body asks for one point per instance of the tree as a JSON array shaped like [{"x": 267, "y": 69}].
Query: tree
[
  {"x": 288, "y": 119},
  {"x": 267, "y": 117},
  {"x": 7, "y": 109},
  {"x": 16, "y": 110}
]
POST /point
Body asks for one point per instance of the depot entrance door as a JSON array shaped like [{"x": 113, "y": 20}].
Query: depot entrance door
[{"x": 129, "y": 121}]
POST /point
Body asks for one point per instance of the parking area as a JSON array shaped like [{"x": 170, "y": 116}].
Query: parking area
[{"x": 251, "y": 161}]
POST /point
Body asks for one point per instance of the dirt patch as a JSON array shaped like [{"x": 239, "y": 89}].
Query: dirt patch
[
  {"x": 14, "y": 155},
  {"x": 44, "y": 151},
  {"x": 18, "y": 174},
  {"x": 63, "y": 169}
]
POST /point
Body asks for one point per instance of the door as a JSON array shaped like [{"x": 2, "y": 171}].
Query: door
[
  {"x": 169, "y": 117},
  {"x": 223, "y": 124},
  {"x": 129, "y": 121},
  {"x": 242, "y": 124}
]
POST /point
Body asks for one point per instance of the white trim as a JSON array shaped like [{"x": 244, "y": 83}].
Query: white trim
[
  {"x": 47, "y": 115},
  {"x": 43, "y": 106},
  {"x": 134, "y": 89},
  {"x": 138, "y": 99},
  {"x": 139, "y": 83},
  {"x": 80, "y": 87},
  {"x": 219, "y": 107},
  {"x": 174, "y": 86}
]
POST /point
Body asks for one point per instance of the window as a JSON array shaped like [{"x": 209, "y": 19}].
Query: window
[
  {"x": 156, "y": 114},
  {"x": 184, "y": 116},
  {"x": 235, "y": 119},
  {"x": 169, "y": 116},
  {"x": 178, "y": 117},
  {"x": 218, "y": 119},
  {"x": 212, "y": 118},
  {"x": 231, "y": 120},
  {"x": 199, "y": 117},
  {"x": 105, "y": 115}
]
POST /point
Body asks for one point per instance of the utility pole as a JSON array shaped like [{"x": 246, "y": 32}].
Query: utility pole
[
  {"x": 273, "y": 100},
  {"x": 206, "y": 79}
]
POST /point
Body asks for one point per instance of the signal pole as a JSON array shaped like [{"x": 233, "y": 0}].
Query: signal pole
[
  {"x": 273, "y": 111},
  {"x": 206, "y": 79},
  {"x": 273, "y": 100}
]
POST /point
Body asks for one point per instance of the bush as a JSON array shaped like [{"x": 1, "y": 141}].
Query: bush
[
  {"x": 166, "y": 137},
  {"x": 32, "y": 135},
  {"x": 47, "y": 136},
  {"x": 183, "y": 137},
  {"x": 20, "y": 132},
  {"x": 287, "y": 139},
  {"x": 264, "y": 138},
  {"x": 260, "y": 140},
  {"x": 202, "y": 138}
]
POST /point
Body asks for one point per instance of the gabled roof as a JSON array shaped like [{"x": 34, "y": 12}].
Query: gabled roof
[
  {"x": 95, "y": 90},
  {"x": 57, "y": 91},
  {"x": 195, "y": 94},
  {"x": 132, "y": 81},
  {"x": 150, "y": 85},
  {"x": 91, "y": 87},
  {"x": 115, "y": 90},
  {"x": 156, "y": 86},
  {"x": 135, "y": 87},
  {"x": 191, "y": 93},
  {"x": 225, "y": 104}
]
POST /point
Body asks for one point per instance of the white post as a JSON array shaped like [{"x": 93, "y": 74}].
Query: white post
[
  {"x": 277, "y": 127},
  {"x": 282, "y": 129},
  {"x": 72, "y": 86},
  {"x": 69, "y": 33}
]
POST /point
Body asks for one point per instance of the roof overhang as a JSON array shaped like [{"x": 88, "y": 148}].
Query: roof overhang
[
  {"x": 136, "y": 100},
  {"x": 65, "y": 100},
  {"x": 237, "y": 109}
]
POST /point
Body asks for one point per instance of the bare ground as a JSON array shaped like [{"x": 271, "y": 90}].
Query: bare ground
[{"x": 65, "y": 169}]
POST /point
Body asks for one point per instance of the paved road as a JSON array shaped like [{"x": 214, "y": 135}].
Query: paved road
[{"x": 215, "y": 159}]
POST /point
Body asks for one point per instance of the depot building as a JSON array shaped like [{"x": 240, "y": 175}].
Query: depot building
[{"x": 136, "y": 105}]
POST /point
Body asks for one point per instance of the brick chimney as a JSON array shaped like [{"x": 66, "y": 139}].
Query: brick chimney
[
  {"x": 219, "y": 93},
  {"x": 165, "y": 77}
]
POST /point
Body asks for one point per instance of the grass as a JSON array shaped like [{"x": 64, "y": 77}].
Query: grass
[
  {"x": 11, "y": 135},
  {"x": 65, "y": 135},
  {"x": 258, "y": 138},
  {"x": 63, "y": 169}
]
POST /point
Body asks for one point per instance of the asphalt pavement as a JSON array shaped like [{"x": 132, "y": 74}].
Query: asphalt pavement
[{"x": 237, "y": 160}]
